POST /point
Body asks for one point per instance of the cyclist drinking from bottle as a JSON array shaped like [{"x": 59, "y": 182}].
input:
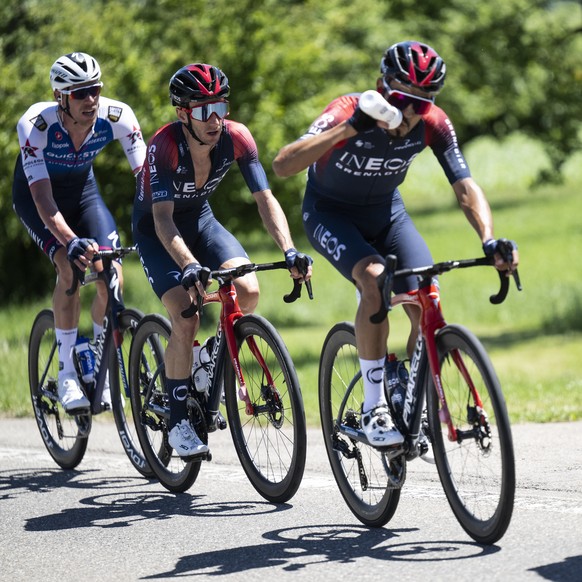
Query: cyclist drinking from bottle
[
  {"x": 56, "y": 196},
  {"x": 353, "y": 211},
  {"x": 175, "y": 229}
]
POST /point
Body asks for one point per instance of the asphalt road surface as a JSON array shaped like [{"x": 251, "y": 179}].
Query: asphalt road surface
[{"x": 103, "y": 521}]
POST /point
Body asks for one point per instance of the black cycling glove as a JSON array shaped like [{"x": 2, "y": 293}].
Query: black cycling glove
[
  {"x": 361, "y": 121},
  {"x": 294, "y": 258},
  {"x": 77, "y": 247},
  {"x": 502, "y": 246},
  {"x": 192, "y": 273}
]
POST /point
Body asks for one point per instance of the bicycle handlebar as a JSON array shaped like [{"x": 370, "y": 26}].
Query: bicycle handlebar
[
  {"x": 224, "y": 275},
  {"x": 386, "y": 279},
  {"x": 104, "y": 254}
]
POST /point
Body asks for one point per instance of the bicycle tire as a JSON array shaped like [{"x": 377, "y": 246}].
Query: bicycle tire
[
  {"x": 121, "y": 402},
  {"x": 149, "y": 404},
  {"x": 375, "y": 501},
  {"x": 271, "y": 443},
  {"x": 64, "y": 435},
  {"x": 478, "y": 471}
]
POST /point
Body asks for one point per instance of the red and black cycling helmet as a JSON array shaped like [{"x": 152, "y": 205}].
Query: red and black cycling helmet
[
  {"x": 414, "y": 64},
  {"x": 198, "y": 82}
]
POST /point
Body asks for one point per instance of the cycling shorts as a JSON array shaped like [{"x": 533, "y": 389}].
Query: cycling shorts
[
  {"x": 88, "y": 218},
  {"x": 210, "y": 243},
  {"x": 345, "y": 234}
]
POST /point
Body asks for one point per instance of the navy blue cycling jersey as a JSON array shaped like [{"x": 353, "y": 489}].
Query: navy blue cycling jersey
[
  {"x": 169, "y": 171},
  {"x": 368, "y": 168}
]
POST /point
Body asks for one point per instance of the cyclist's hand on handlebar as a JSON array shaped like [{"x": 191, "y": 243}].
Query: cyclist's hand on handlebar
[
  {"x": 504, "y": 252},
  {"x": 80, "y": 252},
  {"x": 299, "y": 264},
  {"x": 195, "y": 275}
]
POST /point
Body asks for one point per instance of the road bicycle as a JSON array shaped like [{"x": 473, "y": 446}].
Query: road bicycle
[
  {"x": 453, "y": 405},
  {"x": 66, "y": 435},
  {"x": 250, "y": 369}
]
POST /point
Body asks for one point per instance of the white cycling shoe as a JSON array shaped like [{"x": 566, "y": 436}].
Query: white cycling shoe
[
  {"x": 70, "y": 394},
  {"x": 379, "y": 429},
  {"x": 184, "y": 440}
]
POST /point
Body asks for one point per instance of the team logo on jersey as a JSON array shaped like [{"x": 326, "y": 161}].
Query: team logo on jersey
[
  {"x": 28, "y": 151},
  {"x": 39, "y": 122},
  {"x": 135, "y": 135},
  {"x": 114, "y": 113}
]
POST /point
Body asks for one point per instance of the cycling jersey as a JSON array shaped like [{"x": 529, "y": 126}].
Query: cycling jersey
[
  {"x": 169, "y": 175},
  {"x": 368, "y": 168},
  {"x": 352, "y": 207},
  {"x": 47, "y": 152}
]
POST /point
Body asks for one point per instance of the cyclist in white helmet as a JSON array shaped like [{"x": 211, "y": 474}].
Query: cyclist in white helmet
[{"x": 56, "y": 196}]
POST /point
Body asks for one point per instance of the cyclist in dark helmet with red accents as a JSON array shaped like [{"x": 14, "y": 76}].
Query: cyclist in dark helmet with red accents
[
  {"x": 174, "y": 227},
  {"x": 353, "y": 212}
]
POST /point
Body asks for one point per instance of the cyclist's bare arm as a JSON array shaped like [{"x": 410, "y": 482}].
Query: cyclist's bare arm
[
  {"x": 169, "y": 234},
  {"x": 277, "y": 226},
  {"x": 299, "y": 155},
  {"x": 42, "y": 194},
  {"x": 474, "y": 204}
]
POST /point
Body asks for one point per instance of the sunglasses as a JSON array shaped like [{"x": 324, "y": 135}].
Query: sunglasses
[
  {"x": 83, "y": 92},
  {"x": 400, "y": 100},
  {"x": 205, "y": 111}
]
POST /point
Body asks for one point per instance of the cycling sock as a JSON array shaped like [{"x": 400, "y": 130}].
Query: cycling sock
[
  {"x": 66, "y": 339},
  {"x": 373, "y": 377},
  {"x": 97, "y": 331},
  {"x": 177, "y": 394}
]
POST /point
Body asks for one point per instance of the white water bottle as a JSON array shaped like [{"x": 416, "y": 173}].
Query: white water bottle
[
  {"x": 374, "y": 105},
  {"x": 199, "y": 368}
]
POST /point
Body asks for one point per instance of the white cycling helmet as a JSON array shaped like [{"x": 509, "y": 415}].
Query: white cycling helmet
[{"x": 74, "y": 69}]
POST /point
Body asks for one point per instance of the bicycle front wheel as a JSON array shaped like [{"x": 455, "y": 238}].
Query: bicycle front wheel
[
  {"x": 120, "y": 394},
  {"x": 477, "y": 470},
  {"x": 270, "y": 440},
  {"x": 64, "y": 435},
  {"x": 149, "y": 403},
  {"x": 358, "y": 468}
]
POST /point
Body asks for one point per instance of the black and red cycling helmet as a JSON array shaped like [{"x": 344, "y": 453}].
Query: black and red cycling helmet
[
  {"x": 198, "y": 82},
  {"x": 414, "y": 64}
]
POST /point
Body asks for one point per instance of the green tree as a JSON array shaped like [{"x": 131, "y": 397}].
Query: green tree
[{"x": 512, "y": 65}]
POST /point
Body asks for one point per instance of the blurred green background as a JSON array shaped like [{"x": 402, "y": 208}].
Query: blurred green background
[{"x": 513, "y": 91}]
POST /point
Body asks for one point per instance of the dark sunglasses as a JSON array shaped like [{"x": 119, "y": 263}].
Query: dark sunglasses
[
  {"x": 83, "y": 92},
  {"x": 400, "y": 100},
  {"x": 204, "y": 112}
]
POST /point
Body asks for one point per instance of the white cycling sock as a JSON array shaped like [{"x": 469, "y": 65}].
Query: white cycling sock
[
  {"x": 66, "y": 339},
  {"x": 97, "y": 331},
  {"x": 373, "y": 378}
]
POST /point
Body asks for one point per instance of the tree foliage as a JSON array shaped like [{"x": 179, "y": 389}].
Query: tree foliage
[{"x": 512, "y": 65}]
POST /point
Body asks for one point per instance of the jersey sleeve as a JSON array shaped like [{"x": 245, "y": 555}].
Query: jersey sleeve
[
  {"x": 337, "y": 111},
  {"x": 442, "y": 138},
  {"x": 126, "y": 129},
  {"x": 247, "y": 156},
  {"x": 32, "y": 129},
  {"x": 162, "y": 153}
]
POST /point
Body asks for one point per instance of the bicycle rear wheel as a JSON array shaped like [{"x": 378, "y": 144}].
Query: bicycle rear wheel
[
  {"x": 358, "y": 468},
  {"x": 149, "y": 403},
  {"x": 121, "y": 398},
  {"x": 271, "y": 442},
  {"x": 64, "y": 435},
  {"x": 477, "y": 470}
]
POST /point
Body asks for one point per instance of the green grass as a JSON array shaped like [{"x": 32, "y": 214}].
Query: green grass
[{"x": 534, "y": 338}]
